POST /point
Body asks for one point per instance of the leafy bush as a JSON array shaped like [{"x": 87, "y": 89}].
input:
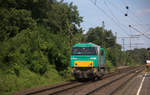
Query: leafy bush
[
  {"x": 10, "y": 83},
  {"x": 109, "y": 66}
]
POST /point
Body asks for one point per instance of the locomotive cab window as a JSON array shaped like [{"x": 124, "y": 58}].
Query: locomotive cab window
[{"x": 84, "y": 51}]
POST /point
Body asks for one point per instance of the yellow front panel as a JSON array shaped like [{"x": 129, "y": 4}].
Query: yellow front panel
[{"x": 83, "y": 63}]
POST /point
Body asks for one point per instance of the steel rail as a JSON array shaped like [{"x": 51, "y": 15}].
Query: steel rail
[
  {"x": 122, "y": 84},
  {"x": 118, "y": 71},
  {"x": 110, "y": 82},
  {"x": 106, "y": 76}
]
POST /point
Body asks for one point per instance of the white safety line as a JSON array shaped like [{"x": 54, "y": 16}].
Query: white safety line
[{"x": 141, "y": 85}]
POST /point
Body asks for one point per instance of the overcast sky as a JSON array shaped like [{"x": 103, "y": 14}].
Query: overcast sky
[{"x": 112, "y": 13}]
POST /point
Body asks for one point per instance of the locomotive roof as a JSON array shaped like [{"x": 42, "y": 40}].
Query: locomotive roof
[{"x": 85, "y": 45}]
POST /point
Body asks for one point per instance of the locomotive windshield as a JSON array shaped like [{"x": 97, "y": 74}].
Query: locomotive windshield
[{"x": 84, "y": 51}]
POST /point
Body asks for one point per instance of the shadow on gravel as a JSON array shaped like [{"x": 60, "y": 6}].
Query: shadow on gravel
[{"x": 87, "y": 80}]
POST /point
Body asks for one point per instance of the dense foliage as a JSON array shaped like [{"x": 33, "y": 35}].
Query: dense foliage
[
  {"x": 35, "y": 33},
  {"x": 36, "y": 38},
  {"x": 138, "y": 56}
]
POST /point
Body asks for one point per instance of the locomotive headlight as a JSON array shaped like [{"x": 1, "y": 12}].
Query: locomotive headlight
[
  {"x": 76, "y": 64},
  {"x": 91, "y": 64},
  {"x": 92, "y": 58}
]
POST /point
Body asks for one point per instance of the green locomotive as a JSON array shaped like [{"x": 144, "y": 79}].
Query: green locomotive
[{"x": 87, "y": 61}]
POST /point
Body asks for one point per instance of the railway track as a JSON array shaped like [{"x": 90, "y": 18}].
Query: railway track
[
  {"x": 70, "y": 88},
  {"x": 43, "y": 89},
  {"x": 92, "y": 88},
  {"x": 112, "y": 86}
]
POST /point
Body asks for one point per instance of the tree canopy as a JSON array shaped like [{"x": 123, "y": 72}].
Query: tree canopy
[{"x": 35, "y": 33}]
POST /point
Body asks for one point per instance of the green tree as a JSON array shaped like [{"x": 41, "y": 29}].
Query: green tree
[
  {"x": 107, "y": 40},
  {"x": 14, "y": 21}
]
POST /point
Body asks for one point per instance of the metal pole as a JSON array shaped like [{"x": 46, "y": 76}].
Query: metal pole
[
  {"x": 130, "y": 38},
  {"x": 116, "y": 36},
  {"x": 123, "y": 44}
]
